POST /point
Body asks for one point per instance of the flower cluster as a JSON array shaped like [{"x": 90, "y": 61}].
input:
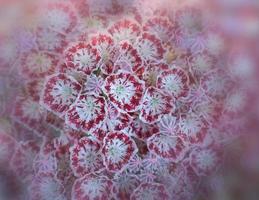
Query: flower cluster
[{"x": 121, "y": 103}]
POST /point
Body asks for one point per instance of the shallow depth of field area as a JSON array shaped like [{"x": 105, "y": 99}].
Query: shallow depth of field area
[{"x": 129, "y": 100}]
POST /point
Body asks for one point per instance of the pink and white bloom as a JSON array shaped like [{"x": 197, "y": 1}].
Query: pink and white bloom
[
  {"x": 154, "y": 105},
  {"x": 125, "y": 91},
  {"x": 242, "y": 66},
  {"x": 120, "y": 122},
  {"x": 59, "y": 92},
  {"x": 85, "y": 157},
  {"x": 149, "y": 48},
  {"x": 82, "y": 57},
  {"x": 165, "y": 146},
  {"x": 175, "y": 82},
  {"x": 92, "y": 186},
  {"x": 87, "y": 113},
  {"x": 216, "y": 42},
  {"x": 117, "y": 150}
]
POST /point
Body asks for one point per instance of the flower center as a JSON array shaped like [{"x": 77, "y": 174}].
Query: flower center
[{"x": 120, "y": 90}]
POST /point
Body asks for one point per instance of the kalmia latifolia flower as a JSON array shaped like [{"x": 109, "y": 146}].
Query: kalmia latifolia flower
[
  {"x": 86, "y": 113},
  {"x": 175, "y": 82},
  {"x": 125, "y": 91},
  {"x": 120, "y": 100},
  {"x": 150, "y": 48},
  {"x": 118, "y": 149},
  {"x": 59, "y": 92},
  {"x": 85, "y": 157},
  {"x": 154, "y": 104},
  {"x": 82, "y": 57}
]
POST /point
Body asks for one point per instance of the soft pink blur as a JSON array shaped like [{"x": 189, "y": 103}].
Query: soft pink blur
[{"x": 236, "y": 20}]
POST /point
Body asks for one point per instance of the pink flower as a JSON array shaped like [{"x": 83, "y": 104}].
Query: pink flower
[
  {"x": 85, "y": 157},
  {"x": 118, "y": 149},
  {"x": 124, "y": 90}
]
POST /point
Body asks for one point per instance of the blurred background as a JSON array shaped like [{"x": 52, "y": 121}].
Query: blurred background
[{"x": 227, "y": 29}]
